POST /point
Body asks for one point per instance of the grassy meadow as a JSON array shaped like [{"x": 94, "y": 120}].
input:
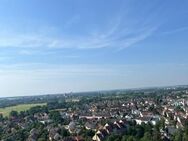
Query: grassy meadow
[{"x": 18, "y": 108}]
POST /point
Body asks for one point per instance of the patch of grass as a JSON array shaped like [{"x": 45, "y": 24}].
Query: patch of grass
[{"x": 22, "y": 107}]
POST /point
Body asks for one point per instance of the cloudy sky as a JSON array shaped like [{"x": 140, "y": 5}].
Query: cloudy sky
[{"x": 55, "y": 46}]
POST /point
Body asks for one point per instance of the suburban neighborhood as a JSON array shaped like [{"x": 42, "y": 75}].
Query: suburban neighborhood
[{"x": 144, "y": 114}]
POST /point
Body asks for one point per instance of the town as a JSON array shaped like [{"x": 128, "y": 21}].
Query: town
[{"x": 149, "y": 114}]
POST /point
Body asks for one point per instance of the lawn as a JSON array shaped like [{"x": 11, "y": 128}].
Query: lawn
[{"x": 18, "y": 108}]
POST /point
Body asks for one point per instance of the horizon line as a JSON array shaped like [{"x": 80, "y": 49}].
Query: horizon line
[{"x": 90, "y": 91}]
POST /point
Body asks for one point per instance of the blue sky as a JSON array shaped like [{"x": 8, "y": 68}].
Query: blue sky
[{"x": 54, "y": 46}]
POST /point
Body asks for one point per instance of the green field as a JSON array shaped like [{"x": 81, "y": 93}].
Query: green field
[{"x": 18, "y": 108}]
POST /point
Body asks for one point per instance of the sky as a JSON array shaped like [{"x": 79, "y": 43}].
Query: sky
[{"x": 57, "y": 46}]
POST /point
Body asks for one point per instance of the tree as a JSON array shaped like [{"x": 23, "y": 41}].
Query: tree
[
  {"x": 43, "y": 135},
  {"x": 13, "y": 114},
  {"x": 140, "y": 132},
  {"x": 156, "y": 132},
  {"x": 124, "y": 138},
  {"x": 41, "y": 139},
  {"x": 185, "y": 137},
  {"x": 147, "y": 137},
  {"x": 131, "y": 131},
  {"x": 113, "y": 137},
  {"x": 1, "y": 117},
  {"x": 156, "y": 135},
  {"x": 90, "y": 133},
  {"x": 64, "y": 133},
  {"x": 55, "y": 116},
  {"x": 131, "y": 138},
  {"x": 178, "y": 136}
]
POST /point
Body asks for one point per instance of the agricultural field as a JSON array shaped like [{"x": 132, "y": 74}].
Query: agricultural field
[{"x": 18, "y": 108}]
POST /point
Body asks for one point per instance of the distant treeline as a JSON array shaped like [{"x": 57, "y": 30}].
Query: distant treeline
[{"x": 13, "y": 101}]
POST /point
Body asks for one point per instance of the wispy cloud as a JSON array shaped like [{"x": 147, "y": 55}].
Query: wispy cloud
[
  {"x": 111, "y": 39},
  {"x": 176, "y": 30},
  {"x": 66, "y": 70},
  {"x": 116, "y": 36}
]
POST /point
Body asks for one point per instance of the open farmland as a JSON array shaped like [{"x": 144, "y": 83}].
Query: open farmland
[{"x": 18, "y": 108}]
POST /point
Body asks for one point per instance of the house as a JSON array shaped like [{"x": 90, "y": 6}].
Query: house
[
  {"x": 53, "y": 133},
  {"x": 78, "y": 138},
  {"x": 108, "y": 127},
  {"x": 116, "y": 127},
  {"x": 98, "y": 137},
  {"x": 33, "y": 135},
  {"x": 155, "y": 119},
  {"x": 171, "y": 130},
  {"x": 69, "y": 139},
  {"x": 57, "y": 137},
  {"x": 141, "y": 120},
  {"x": 146, "y": 114},
  {"x": 91, "y": 125},
  {"x": 180, "y": 122},
  {"x": 74, "y": 127}
]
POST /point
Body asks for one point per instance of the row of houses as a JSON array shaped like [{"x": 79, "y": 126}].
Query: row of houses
[{"x": 109, "y": 128}]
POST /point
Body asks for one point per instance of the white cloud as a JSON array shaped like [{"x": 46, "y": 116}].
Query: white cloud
[{"x": 115, "y": 36}]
